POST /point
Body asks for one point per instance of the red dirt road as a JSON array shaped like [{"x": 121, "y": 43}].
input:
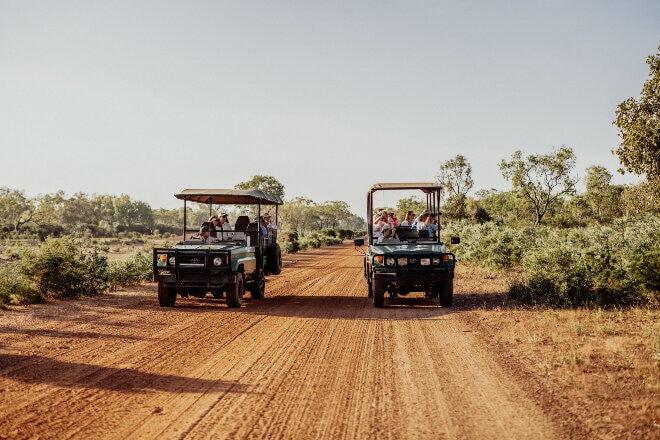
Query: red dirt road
[{"x": 313, "y": 359}]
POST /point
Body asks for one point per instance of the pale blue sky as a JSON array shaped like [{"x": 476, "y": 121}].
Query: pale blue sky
[{"x": 146, "y": 98}]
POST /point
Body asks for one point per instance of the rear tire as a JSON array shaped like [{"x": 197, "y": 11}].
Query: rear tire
[
  {"x": 258, "y": 287},
  {"x": 378, "y": 294},
  {"x": 275, "y": 259},
  {"x": 235, "y": 292},
  {"x": 166, "y": 295}
]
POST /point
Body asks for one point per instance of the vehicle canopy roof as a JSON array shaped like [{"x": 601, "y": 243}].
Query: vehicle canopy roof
[
  {"x": 229, "y": 196},
  {"x": 426, "y": 187}
]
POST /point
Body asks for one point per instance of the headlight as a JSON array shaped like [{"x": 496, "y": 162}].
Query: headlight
[
  {"x": 425, "y": 261},
  {"x": 402, "y": 261},
  {"x": 217, "y": 261},
  {"x": 172, "y": 260},
  {"x": 378, "y": 260},
  {"x": 389, "y": 261}
]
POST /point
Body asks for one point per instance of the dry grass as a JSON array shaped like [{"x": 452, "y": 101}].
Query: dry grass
[{"x": 596, "y": 370}]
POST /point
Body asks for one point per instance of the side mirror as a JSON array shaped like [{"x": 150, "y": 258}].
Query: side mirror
[
  {"x": 358, "y": 242},
  {"x": 455, "y": 240}
]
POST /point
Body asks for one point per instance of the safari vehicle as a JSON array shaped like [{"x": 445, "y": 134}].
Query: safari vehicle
[
  {"x": 225, "y": 267},
  {"x": 410, "y": 261}
]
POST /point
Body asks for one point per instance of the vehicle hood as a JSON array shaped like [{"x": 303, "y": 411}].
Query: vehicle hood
[
  {"x": 408, "y": 248},
  {"x": 213, "y": 246}
]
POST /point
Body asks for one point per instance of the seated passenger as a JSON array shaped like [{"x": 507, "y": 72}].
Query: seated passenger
[
  {"x": 388, "y": 234},
  {"x": 379, "y": 223},
  {"x": 204, "y": 235},
  {"x": 410, "y": 218},
  {"x": 420, "y": 222},
  {"x": 269, "y": 225},
  {"x": 223, "y": 228},
  {"x": 213, "y": 225},
  {"x": 432, "y": 227}
]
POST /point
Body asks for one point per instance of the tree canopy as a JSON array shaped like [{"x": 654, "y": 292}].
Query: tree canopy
[
  {"x": 267, "y": 184},
  {"x": 639, "y": 128},
  {"x": 456, "y": 178},
  {"x": 541, "y": 178}
]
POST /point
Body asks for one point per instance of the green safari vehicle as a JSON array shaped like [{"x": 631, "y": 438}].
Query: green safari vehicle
[
  {"x": 409, "y": 261},
  {"x": 226, "y": 266}
]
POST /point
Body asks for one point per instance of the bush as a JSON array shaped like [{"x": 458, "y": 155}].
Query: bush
[
  {"x": 346, "y": 234},
  {"x": 613, "y": 264},
  {"x": 312, "y": 240},
  {"x": 15, "y": 288},
  {"x": 137, "y": 268},
  {"x": 291, "y": 247},
  {"x": 60, "y": 270}
]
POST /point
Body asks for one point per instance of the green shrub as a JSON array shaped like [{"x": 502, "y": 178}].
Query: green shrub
[
  {"x": 312, "y": 240},
  {"x": 291, "y": 247},
  {"x": 566, "y": 267},
  {"x": 346, "y": 234},
  {"x": 137, "y": 268},
  {"x": 15, "y": 288},
  {"x": 60, "y": 270}
]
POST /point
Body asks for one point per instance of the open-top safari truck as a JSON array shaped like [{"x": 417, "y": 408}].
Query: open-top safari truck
[
  {"x": 410, "y": 261},
  {"x": 227, "y": 265}
]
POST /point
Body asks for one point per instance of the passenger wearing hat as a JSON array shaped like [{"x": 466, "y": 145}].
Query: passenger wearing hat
[
  {"x": 420, "y": 222},
  {"x": 269, "y": 225},
  {"x": 224, "y": 227},
  {"x": 213, "y": 225},
  {"x": 262, "y": 223},
  {"x": 380, "y": 222},
  {"x": 386, "y": 231},
  {"x": 205, "y": 234}
]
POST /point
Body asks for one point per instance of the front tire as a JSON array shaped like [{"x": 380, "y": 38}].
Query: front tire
[
  {"x": 447, "y": 293},
  {"x": 166, "y": 295},
  {"x": 235, "y": 292},
  {"x": 379, "y": 294}
]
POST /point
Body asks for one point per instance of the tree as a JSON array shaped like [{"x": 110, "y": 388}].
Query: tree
[
  {"x": 332, "y": 213},
  {"x": 639, "y": 128},
  {"x": 456, "y": 178},
  {"x": 15, "y": 209},
  {"x": 543, "y": 178},
  {"x": 299, "y": 215},
  {"x": 267, "y": 184},
  {"x": 601, "y": 196},
  {"x": 503, "y": 207},
  {"x": 412, "y": 203},
  {"x": 130, "y": 213}
]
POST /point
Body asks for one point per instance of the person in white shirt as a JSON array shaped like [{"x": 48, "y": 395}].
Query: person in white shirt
[
  {"x": 410, "y": 218},
  {"x": 379, "y": 222},
  {"x": 420, "y": 222},
  {"x": 223, "y": 229}
]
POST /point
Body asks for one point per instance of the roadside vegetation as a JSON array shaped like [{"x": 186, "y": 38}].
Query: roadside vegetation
[{"x": 557, "y": 247}]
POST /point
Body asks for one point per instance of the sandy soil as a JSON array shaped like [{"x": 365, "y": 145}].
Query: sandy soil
[{"x": 313, "y": 359}]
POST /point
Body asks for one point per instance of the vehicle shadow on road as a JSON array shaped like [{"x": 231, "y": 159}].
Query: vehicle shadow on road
[
  {"x": 345, "y": 307},
  {"x": 39, "y": 369}
]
